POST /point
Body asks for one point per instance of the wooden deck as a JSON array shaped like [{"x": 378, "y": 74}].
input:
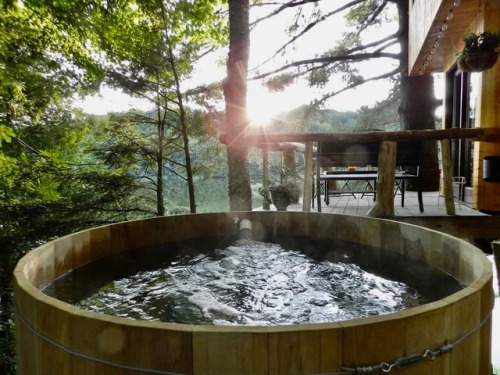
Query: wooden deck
[
  {"x": 467, "y": 223},
  {"x": 359, "y": 205}
]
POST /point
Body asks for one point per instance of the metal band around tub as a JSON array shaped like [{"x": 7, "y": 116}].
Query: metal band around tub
[
  {"x": 407, "y": 360},
  {"x": 86, "y": 356},
  {"x": 401, "y": 362}
]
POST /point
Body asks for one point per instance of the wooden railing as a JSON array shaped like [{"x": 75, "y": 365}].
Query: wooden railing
[{"x": 384, "y": 206}]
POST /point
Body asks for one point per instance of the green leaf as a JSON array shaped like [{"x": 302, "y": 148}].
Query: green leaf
[{"x": 6, "y": 134}]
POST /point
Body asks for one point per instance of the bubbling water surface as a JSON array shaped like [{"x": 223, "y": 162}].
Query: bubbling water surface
[{"x": 246, "y": 283}]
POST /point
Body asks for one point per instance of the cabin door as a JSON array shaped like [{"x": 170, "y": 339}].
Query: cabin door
[{"x": 461, "y": 113}]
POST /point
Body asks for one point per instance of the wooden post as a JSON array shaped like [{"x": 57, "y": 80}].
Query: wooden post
[
  {"x": 495, "y": 245},
  {"x": 265, "y": 176},
  {"x": 318, "y": 175},
  {"x": 290, "y": 161},
  {"x": 308, "y": 178},
  {"x": 447, "y": 177},
  {"x": 384, "y": 205}
]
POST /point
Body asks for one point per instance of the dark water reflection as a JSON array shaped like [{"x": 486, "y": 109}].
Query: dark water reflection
[{"x": 289, "y": 281}]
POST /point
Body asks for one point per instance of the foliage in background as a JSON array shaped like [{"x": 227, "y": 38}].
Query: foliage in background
[
  {"x": 384, "y": 115},
  {"x": 42, "y": 63},
  {"x": 53, "y": 186},
  {"x": 151, "y": 58}
]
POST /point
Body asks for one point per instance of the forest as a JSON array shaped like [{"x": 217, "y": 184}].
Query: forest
[{"x": 63, "y": 170}]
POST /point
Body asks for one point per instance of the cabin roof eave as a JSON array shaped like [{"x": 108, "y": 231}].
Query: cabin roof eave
[{"x": 443, "y": 37}]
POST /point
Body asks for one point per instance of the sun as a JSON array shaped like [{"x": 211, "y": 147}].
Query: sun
[
  {"x": 263, "y": 105},
  {"x": 260, "y": 106}
]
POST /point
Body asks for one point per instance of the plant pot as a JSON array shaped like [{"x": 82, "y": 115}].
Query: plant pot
[
  {"x": 281, "y": 199},
  {"x": 477, "y": 62}
]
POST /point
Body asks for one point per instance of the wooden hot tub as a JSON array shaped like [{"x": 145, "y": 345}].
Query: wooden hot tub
[{"x": 57, "y": 338}]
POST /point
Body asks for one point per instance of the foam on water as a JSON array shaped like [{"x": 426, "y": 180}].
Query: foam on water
[{"x": 251, "y": 283}]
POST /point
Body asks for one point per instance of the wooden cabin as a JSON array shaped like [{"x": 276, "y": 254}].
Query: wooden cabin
[
  {"x": 471, "y": 100},
  {"x": 471, "y": 103}
]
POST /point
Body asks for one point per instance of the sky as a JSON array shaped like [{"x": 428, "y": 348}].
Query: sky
[
  {"x": 316, "y": 42},
  {"x": 262, "y": 104}
]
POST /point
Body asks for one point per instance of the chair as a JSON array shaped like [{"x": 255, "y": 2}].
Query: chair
[{"x": 458, "y": 184}]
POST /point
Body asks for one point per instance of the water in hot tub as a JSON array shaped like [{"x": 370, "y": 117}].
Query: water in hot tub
[{"x": 253, "y": 283}]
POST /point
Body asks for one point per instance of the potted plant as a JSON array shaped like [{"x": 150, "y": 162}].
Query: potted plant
[
  {"x": 283, "y": 189},
  {"x": 480, "y": 51}
]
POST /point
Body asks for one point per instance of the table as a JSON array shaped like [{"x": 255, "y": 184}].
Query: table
[{"x": 371, "y": 184}]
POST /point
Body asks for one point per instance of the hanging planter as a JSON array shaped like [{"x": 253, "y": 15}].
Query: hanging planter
[
  {"x": 477, "y": 62},
  {"x": 480, "y": 51}
]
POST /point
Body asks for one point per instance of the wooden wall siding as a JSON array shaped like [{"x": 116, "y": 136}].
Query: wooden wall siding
[
  {"x": 487, "y": 194},
  {"x": 426, "y": 19},
  {"x": 422, "y": 13}
]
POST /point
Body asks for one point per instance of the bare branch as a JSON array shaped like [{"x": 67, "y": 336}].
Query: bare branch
[
  {"x": 377, "y": 12},
  {"x": 388, "y": 44},
  {"x": 371, "y": 17},
  {"x": 290, "y": 4},
  {"x": 176, "y": 173},
  {"x": 329, "y": 60},
  {"x": 330, "y": 95},
  {"x": 392, "y": 37},
  {"x": 308, "y": 28}
]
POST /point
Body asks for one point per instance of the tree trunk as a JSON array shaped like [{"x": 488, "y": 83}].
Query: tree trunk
[
  {"x": 160, "y": 205},
  {"x": 235, "y": 92},
  {"x": 187, "y": 153},
  {"x": 184, "y": 129},
  {"x": 418, "y": 107}
]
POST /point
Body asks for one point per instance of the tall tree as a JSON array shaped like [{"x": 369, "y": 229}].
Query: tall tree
[
  {"x": 235, "y": 93},
  {"x": 49, "y": 185},
  {"x": 152, "y": 58},
  {"x": 52, "y": 186},
  {"x": 44, "y": 60},
  {"x": 41, "y": 63}
]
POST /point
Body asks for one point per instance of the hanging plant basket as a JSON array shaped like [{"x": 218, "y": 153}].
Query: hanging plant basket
[
  {"x": 480, "y": 51},
  {"x": 477, "y": 62}
]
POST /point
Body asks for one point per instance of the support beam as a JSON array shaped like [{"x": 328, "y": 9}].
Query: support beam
[
  {"x": 290, "y": 161},
  {"x": 265, "y": 176},
  {"x": 447, "y": 177},
  {"x": 318, "y": 175},
  {"x": 483, "y": 134},
  {"x": 384, "y": 205},
  {"x": 308, "y": 178}
]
